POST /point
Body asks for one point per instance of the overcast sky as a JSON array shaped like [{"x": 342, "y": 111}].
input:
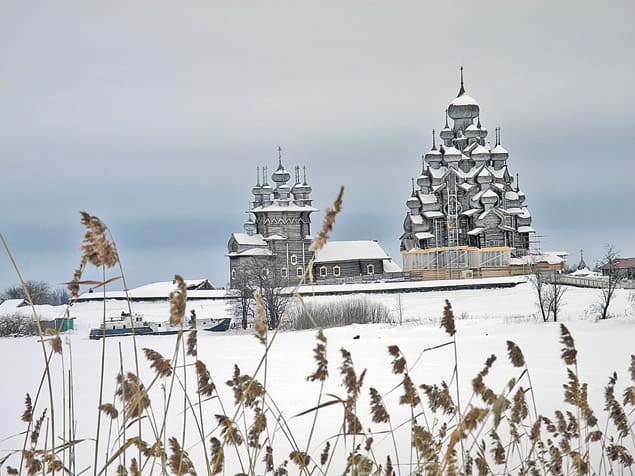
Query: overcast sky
[{"x": 153, "y": 115}]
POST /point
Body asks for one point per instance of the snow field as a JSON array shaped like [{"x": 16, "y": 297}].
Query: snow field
[{"x": 485, "y": 320}]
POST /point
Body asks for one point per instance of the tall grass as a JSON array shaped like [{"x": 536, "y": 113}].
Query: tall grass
[{"x": 169, "y": 417}]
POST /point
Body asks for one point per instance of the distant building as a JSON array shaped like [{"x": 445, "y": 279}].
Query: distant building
[
  {"x": 625, "y": 266},
  {"x": 277, "y": 237},
  {"x": 466, "y": 217},
  {"x": 339, "y": 259}
]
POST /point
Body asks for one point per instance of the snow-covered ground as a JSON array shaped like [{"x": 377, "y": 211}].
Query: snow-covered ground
[{"x": 485, "y": 319}]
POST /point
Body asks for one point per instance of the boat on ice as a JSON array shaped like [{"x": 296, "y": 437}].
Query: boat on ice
[{"x": 126, "y": 324}]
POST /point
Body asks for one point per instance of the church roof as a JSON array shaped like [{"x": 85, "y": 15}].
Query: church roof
[
  {"x": 464, "y": 100},
  {"x": 247, "y": 240},
  {"x": 287, "y": 206},
  {"x": 350, "y": 250}
]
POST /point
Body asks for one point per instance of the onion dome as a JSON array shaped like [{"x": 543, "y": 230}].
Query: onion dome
[
  {"x": 266, "y": 190},
  {"x": 452, "y": 155},
  {"x": 480, "y": 154},
  {"x": 489, "y": 199},
  {"x": 413, "y": 202},
  {"x": 463, "y": 107},
  {"x": 423, "y": 181},
  {"x": 433, "y": 155},
  {"x": 250, "y": 227},
  {"x": 511, "y": 196},
  {"x": 499, "y": 153},
  {"x": 257, "y": 190},
  {"x": 434, "y": 158},
  {"x": 280, "y": 176},
  {"x": 482, "y": 132},
  {"x": 304, "y": 187},
  {"x": 484, "y": 176},
  {"x": 521, "y": 195},
  {"x": 460, "y": 140},
  {"x": 471, "y": 131},
  {"x": 283, "y": 191}
]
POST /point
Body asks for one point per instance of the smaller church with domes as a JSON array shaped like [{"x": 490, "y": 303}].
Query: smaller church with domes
[
  {"x": 277, "y": 237},
  {"x": 466, "y": 216}
]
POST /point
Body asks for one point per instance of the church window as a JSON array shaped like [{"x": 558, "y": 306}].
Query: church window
[
  {"x": 336, "y": 270},
  {"x": 294, "y": 259},
  {"x": 370, "y": 269},
  {"x": 322, "y": 271},
  {"x": 233, "y": 273},
  {"x": 299, "y": 271},
  {"x": 284, "y": 272}
]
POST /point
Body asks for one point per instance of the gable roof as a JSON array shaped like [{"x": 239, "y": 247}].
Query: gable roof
[
  {"x": 620, "y": 263},
  {"x": 350, "y": 250}
]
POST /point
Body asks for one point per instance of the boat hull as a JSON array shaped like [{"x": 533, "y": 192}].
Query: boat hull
[{"x": 99, "y": 333}]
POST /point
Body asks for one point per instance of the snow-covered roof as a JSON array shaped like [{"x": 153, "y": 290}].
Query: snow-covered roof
[
  {"x": 424, "y": 235},
  {"x": 525, "y": 213},
  {"x": 471, "y": 211},
  {"x": 21, "y": 307},
  {"x": 438, "y": 173},
  {"x": 511, "y": 195},
  {"x": 350, "y": 250},
  {"x": 164, "y": 288},
  {"x": 499, "y": 149},
  {"x": 514, "y": 211},
  {"x": 584, "y": 272},
  {"x": 253, "y": 252},
  {"x": 427, "y": 198},
  {"x": 391, "y": 267},
  {"x": 286, "y": 206},
  {"x": 489, "y": 193},
  {"x": 476, "y": 231},
  {"x": 433, "y": 214},
  {"x": 275, "y": 238},
  {"x": 480, "y": 150},
  {"x": 416, "y": 219},
  {"x": 249, "y": 240},
  {"x": 464, "y": 100},
  {"x": 452, "y": 151},
  {"x": 620, "y": 263},
  {"x": 526, "y": 229}
]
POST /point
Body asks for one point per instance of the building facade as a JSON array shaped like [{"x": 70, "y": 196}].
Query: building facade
[
  {"x": 466, "y": 216},
  {"x": 277, "y": 234}
]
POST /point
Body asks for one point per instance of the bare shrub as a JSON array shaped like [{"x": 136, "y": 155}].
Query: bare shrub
[
  {"x": 17, "y": 325},
  {"x": 343, "y": 312}
]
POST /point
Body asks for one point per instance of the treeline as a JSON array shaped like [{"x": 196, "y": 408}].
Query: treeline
[{"x": 40, "y": 292}]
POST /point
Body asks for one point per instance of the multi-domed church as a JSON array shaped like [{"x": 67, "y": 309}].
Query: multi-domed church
[{"x": 466, "y": 216}]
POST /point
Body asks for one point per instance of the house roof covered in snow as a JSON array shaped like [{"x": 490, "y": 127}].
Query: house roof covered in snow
[
  {"x": 350, "y": 250},
  {"x": 620, "y": 263}
]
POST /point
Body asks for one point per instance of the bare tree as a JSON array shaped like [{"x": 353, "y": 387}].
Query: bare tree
[
  {"x": 614, "y": 277},
  {"x": 39, "y": 291},
  {"x": 259, "y": 275},
  {"x": 554, "y": 296},
  {"x": 538, "y": 281},
  {"x": 243, "y": 294},
  {"x": 549, "y": 292}
]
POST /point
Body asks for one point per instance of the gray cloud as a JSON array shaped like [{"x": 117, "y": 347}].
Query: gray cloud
[{"x": 154, "y": 115}]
